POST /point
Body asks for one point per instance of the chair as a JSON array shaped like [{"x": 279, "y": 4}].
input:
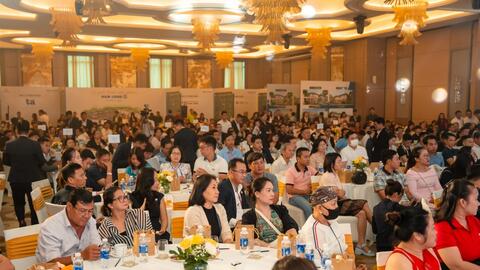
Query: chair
[
  {"x": 382, "y": 258},
  {"x": 352, "y": 222},
  {"x": 176, "y": 226},
  {"x": 52, "y": 208},
  {"x": 6, "y": 169},
  {"x": 374, "y": 165},
  {"x": 45, "y": 188},
  {"x": 179, "y": 200},
  {"x": 347, "y": 232},
  {"x": 21, "y": 244},
  {"x": 3, "y": 184},
  {"x": 295, "y": 212},
  {"x": 39, "y": 205},
  {"x": 315, "y": 182}
]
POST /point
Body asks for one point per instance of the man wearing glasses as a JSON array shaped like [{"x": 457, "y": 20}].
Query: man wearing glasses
[
  {"x": 70, "y": 231},
  {"x": 231, "y": 193}
]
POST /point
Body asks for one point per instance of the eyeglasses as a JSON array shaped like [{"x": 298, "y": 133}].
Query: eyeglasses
[
  {"x": 121, "y": 198},
  {"x": 240, "y": 172},
  {"x": 84, "y": 211}
]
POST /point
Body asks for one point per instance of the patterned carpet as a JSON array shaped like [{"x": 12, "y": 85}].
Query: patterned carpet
[{"x": 10, "y": 222}]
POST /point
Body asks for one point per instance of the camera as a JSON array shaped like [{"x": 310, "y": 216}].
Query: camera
[{"x": 145, "y": 112}]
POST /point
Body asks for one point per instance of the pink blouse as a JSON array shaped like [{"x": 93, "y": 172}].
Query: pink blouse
[{"x": 423, "y": 184}]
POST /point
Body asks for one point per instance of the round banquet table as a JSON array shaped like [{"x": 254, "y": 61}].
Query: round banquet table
[{"x": 227, "y": 258}]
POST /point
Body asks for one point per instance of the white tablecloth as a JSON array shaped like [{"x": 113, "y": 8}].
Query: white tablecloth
[{"x": 225, "y": 261}]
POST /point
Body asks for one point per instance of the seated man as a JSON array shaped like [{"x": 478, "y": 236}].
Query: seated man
[
  {"x": 299, "y": 185},
  {"x": 229, "y": 150},
  {"x": 286, "y": 160},
  {"x": 74, "y": 177},
  {"x": 436, "y": 158},
  {"x": 209, "y": 162},
  {"x": 99, "y": 175},
  {"x": 70, "y": 231},
  {"x": 257, "y": 166},
  {"x": 352, "y": 151},
  {"x": 389, "y": 171}
]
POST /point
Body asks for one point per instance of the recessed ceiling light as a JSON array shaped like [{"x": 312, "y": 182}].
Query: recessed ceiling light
[{"x": 308, "y": 11}]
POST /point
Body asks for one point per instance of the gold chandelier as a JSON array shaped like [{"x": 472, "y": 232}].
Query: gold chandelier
[
  {"x": 319, "y": 40},
  {"x": 206, "y": 32},
  {"x": 223, "y": 59},
  {"x": 410, "y": 18},
  {"x": 140, "y": 57},
  {"x": 67, "y": 24},
  {"x": 95, "y": 10},
  {"x": 42, "y": 52},
  {"x": 271, "y": 15}
]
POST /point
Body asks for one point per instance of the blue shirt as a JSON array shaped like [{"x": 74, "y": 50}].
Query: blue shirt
[
  {"x": 341, "y": 143},
  {"x": 161, "y": 157},
  {"x": 437, "y": 159},
  {"x": 228, "y": 155}
]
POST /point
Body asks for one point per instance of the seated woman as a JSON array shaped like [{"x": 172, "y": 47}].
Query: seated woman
[
  {"x": 319, "y": 151},
  {"x": 174, "y": 164},
  {"x": 458, "y": 230},
  {"x": 422, "y": 180},
  {"x": 269, "y": 219},
  {"x": 72, "y": 176},
  {"x": 136, "y": 162},
  {"x": 393, "y": 195},
  {"x": 414, "y": 229},
  {"x": 147, "y": 197},
  {"x": 204, "y": 210},
  {"x": 96, "y": 142},
  {"x": 348, "y": 207},
  {"x": 120, "y": 223},
  {"x": 460, "y": 168},
  {"x": 71, "y": 155}
]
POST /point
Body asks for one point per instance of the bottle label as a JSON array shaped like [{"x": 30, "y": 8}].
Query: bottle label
[
  {"x": 301, "y": 248},
  {"x": 309, "y": 256},
  {"x": 142, "y": 249},
  {"x": 286, "y": 251},
  {"x": 104, "y": 254},
  {"x": 243, "y": 242},
  {"x": 77, "y": 267}
]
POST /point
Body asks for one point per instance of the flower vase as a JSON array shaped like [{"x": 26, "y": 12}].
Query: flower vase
[
  {"x": 195, "y": 266},
  {"x": 359, "y": 177},
  {"x": 166, "y": 189}
]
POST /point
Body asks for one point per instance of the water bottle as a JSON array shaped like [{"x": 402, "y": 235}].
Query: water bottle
[
  {"x": 309, "y": 253},
  {"x": 131, "y": 184},
  {"x": 244, "y": 240},
  {"x": 380, "y": 166},
  {"x": 104, "y": 253},
  {"x": 143, "y": 247},
  {"x": 77, "y": 261},
  {"x": 301, "y": 246},
  {"x": 326, "y": 260},
  {"x": 286, "y": 249}
]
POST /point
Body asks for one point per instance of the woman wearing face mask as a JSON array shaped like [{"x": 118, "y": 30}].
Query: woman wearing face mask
[
  {"x": 458, "y": 229},
  {"x": 414, "y": 229}
]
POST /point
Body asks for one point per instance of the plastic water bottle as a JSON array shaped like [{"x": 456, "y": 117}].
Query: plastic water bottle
[
  {"x": 326, "y": 260},
  {"x": 77, "y": 261},
  {"x": 301, "y": 246},
  {"x": 380, "y": 166},
  {"x": 104, "y": 253},
  {"x": 286, "y": 248},
  {"x": 143, "y": 247},
  {"x": 131, "y": 184},
  {"x": 244, "y": 240},
  {"x": 309, "y": 253}
]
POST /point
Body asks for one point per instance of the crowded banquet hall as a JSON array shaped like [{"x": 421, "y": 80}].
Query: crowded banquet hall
[{"x": 239, "y": 134}]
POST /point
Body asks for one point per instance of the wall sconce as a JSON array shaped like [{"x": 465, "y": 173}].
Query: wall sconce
[
  {"x": 402, "y": 85},
  {"x": 457, "y": 90},
  {"x": 439, "y": 95}
]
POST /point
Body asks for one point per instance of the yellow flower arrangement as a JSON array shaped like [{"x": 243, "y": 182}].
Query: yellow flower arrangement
[
  {"x": 360, "y": 163},
  {"x": 195, "y": 250},
  {"x": 165, "y": 178},
  {"x": 57, "y": 146}
]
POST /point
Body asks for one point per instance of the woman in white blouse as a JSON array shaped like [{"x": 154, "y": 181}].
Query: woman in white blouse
[
  {"x": 182, "y": 170},
  {"x": 348, "y": 207}
]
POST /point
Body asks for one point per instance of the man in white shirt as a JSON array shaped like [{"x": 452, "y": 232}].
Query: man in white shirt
[
  {"x": 286, "y": 159},
  {"x": 209, "y": 162},
  {"x": 306, "y": 139},
  {"x": 353, "y": 150},
  {"x": 470, "y": 118},
  {"x": 224, "y": 123},
  {"x": 457, "y": 119},
  {"x": 70, "y": 231}
]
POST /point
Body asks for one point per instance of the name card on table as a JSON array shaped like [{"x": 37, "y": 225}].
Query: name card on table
[
  {"x": 195, "y": 121},
  {"x": 168, "y": 124},
  {"x": 320, "y": 126},
  {"x": 114, "y": 138},
  {"x": 42, "y": 127},
  {"x": 204, "y": 128},
  {"x": 67, "y": 132},
  {"x": 335, "y": 122}
]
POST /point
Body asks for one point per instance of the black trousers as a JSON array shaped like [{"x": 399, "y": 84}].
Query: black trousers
[{"x": 19, "y": 191}]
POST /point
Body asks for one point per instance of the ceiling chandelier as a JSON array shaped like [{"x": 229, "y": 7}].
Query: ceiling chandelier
[
  {"x": 410, "y": 18},
  {"x": 398, "y": 2},
  {"x": 95, "y": 10},
  {"x": 206, "y": 32},
  {"x": 42, "y": 52},
  {"x": 66, "y": 23},
  {"x": 140, "y": 57},
  {"x": 319, "y": 40},
  {"x": 224, "y": 59},
  {"x": 271, "y": 14}
]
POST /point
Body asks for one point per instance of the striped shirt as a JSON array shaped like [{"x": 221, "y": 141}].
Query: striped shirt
[{"x": 135, "y": 220}]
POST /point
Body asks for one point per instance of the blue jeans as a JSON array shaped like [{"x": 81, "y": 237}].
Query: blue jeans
[{"x": 303, "y": 203}]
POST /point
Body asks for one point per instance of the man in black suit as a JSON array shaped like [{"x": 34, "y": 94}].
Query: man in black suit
[
  {"x": 72, "y": 121},
  {"x": 25, "y": 158},
  {"x": 86, "y": 123},
  {"x": 231, "y": 193},
  {"x": 186, "y": 139},
  {"x": 380, "y": 141},
  {"x": 237, "y": 123},
  {"x": 120, "y": 158}
]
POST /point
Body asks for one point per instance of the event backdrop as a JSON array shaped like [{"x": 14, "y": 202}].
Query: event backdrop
[
  {"x": 283, "y": 97},
  {"x": 317, "y": 96},
  {"x": 29, "y": 100}
]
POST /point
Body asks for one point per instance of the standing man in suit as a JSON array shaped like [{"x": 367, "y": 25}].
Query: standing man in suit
[
  {"x": 380, "y": 141},
  {"x": 120, "y": 158},
  {"x": 72, "y": 122},
  {"x": 186, "y": 139},
  {"x": 25, "y": 158},
  {"x": 237, "y": 124},
  {"x": 231, "y": 193},
  {"x": 87, "y": 123}
]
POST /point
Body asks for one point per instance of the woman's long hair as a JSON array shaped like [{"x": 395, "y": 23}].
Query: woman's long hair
[{"x": 454, "y": 191}]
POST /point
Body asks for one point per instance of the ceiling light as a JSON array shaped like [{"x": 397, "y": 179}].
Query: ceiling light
[
  {"x": 402, "y": 85},
  {"x": 239, "y": 40},
  {"x": 237, "y": 49},
  {"x": 409, "y": 19},
  {"x": 319, "y": 40},
  {"x": 308, "y": 11},
  {"x": 439, "y": 95}
]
